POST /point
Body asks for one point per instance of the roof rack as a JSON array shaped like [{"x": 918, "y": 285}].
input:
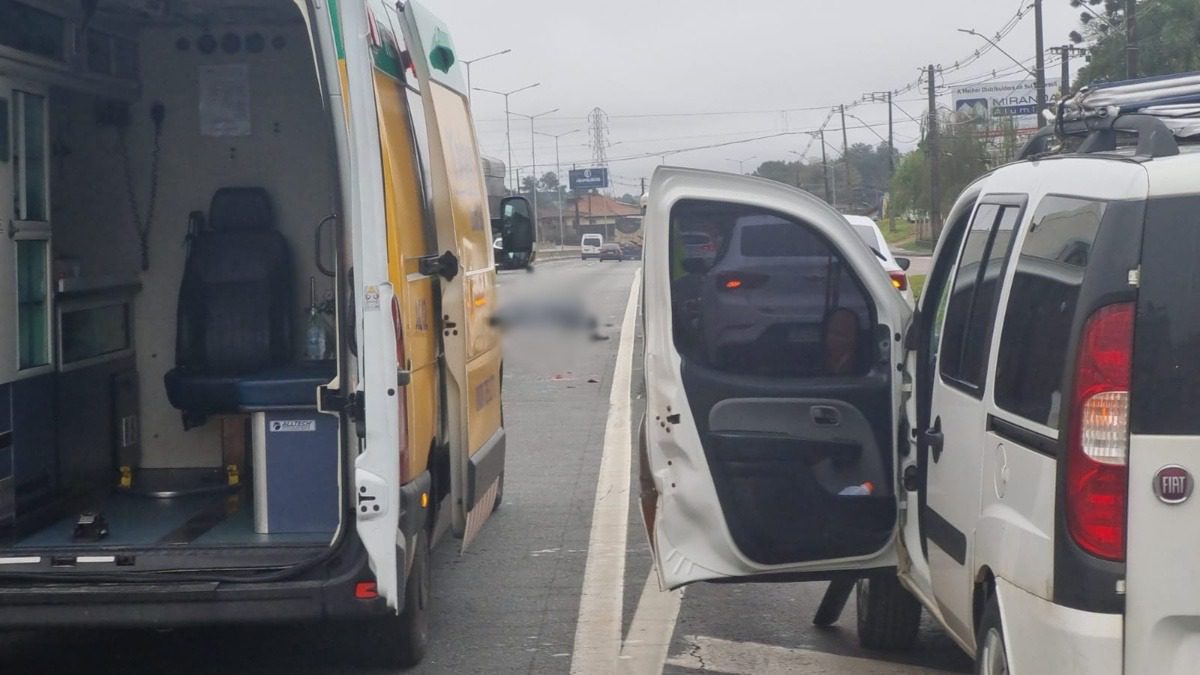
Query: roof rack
[{"x": 1158, "y": 110}]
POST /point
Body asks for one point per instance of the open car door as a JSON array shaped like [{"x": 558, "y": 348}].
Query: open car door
[
  {"x": 773, "y": 392},
  {"x": 470, "y": 343}
]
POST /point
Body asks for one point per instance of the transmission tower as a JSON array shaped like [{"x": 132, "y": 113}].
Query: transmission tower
[{"x": 598, "y": 128}]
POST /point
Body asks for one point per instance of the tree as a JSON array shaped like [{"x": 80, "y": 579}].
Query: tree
[
  {"x": 964, "y": 157},
  {"x": 548, "y": 182},
  {"x": 528, "y": 184},
  {"x": 1167, "y": 38},
  {"x": 629, "y": 199}
]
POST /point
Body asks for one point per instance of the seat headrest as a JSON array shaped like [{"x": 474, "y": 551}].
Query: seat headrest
[{"x": 241, "y": 208}]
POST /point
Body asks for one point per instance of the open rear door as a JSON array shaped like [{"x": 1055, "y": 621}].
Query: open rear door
[
  {"x": 471, "y": 345},
  {"x": 772, "y": 342}
]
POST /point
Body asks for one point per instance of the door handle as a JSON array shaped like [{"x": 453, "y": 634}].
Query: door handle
[
  {"x": 935, "y": 439},
  {"x": 825, "y": 416}
]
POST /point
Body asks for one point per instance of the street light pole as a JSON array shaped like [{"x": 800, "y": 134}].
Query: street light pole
[
  {"x": 558, "y": 175},
  {"x": 468, "y": 62},
  {"x": 741, "y": 163},
  {"x": 533, "y": 158},
  {"x": 508, "y": 120}
]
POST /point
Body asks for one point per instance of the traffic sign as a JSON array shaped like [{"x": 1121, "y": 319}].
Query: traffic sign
[{"x": 586, "y": 179}]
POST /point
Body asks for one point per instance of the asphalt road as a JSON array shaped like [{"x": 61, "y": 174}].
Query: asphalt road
[{"x": 511, "y": 603}]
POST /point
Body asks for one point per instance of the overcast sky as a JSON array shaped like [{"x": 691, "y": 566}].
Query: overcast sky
[{"x": 751, "y": 67}]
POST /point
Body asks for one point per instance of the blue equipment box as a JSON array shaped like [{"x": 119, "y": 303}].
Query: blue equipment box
[{"x": 295, "y": 471}]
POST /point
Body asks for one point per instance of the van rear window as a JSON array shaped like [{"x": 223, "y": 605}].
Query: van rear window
[
  {"x": 1166, "y": 353},
  {"x": 1041, "y": 307}
]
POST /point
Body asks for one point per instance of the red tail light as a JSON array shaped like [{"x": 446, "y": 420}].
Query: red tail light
[
  {"x": 899, "y": 280},
  {"x": 709, "y": 248},
  {"x": 733, "y": 281},
  {"x": 1097, "y": 457},
  {"x": 401, "y": 398}
]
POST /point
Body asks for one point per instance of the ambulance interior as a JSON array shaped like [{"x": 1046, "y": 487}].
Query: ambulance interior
[{"x": 166, "y": 280}]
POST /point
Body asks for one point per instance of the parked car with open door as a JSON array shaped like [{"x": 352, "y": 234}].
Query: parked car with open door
[{"x": 1016, "y": 460}]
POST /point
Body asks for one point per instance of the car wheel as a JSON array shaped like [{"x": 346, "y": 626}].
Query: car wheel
[
  {"x": 499, "y": 493},
  {"x": 889, "y": 617},
  {"x": 991, "y": 656},
  {"x": 398, "y": 640}
]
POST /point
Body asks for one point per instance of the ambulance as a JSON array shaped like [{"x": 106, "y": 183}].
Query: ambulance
[{"x": 247, "y": 372}]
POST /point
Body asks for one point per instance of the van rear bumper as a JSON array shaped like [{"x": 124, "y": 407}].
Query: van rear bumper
[
  {"x": 167, "y": 604},
  {"x": 1043, "y": 637}
]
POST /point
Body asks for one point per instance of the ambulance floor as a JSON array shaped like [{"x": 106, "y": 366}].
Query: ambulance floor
[{"x": 210, "y": 520}]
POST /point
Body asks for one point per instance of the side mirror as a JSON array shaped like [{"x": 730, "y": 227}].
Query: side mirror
[
  {"x": 695, "y": 266},
  {"x": 517, "y": 227},
  {"x": 904, "y": 263}
]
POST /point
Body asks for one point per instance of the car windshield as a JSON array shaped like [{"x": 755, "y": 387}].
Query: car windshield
[{"x": 696, "y": 239}]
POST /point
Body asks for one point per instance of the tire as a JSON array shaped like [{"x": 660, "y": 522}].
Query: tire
[
  {"x": 889, "y": 617},
  {"x": 499, "y": 493},
  {"x": 397, "y": 641},
  {"x": 991, "y": 656}
]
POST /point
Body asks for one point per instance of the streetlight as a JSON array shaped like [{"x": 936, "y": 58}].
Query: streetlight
[
  {"x": 468, "y": 62},
  {"x": 507, "y": 118},
  {"x": 533, "y": 158},
  {"x": 741, "y": 162},
  {"x": 558, "y": 173}
]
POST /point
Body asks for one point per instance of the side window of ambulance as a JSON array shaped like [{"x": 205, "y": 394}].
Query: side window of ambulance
[
  {"x": 972, "y": 302},
  {"x": 1041, "y": 307},
  {"x": 420, "y": 137},
  {"x": 757, "y": 293}
]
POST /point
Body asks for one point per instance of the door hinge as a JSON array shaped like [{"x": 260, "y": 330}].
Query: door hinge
[
  {"x": 371, "y": 495},
  {"x": 444, "y": 265},
  {"x": 352, "y": 405},
  {"x": 1135, "y": 277}
]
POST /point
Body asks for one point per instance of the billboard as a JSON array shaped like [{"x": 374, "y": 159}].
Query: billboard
[
  {"x": 586, "y": 179},
  {"x": 997, "y": 101}
]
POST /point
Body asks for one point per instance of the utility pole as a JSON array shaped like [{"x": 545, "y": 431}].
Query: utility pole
[
  {"x": 825, "y": 170},
  {"x": 533, "y": 158},
  {"x": 1065, "y": 78},
  {"x": 886, "y": 97},
  {"x": 468, "y": 62},
  {"x": 935, "y": 188},
  {"x": 508, "y": 124},
  {"x": 1040, "y": 80},
  {"x": 1131, "y": 39},
  {"x": 558, "y": 175},
  {"x": 846, "y": 155}
]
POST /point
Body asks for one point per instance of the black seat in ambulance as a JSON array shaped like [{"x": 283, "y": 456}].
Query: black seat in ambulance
[{"x": 233, "y": 339}]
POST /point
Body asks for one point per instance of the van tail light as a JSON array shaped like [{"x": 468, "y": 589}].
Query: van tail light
[
  {"x": 736, "y": 281},
  {"x": 401, "y": 395},
  {"x": 1098, "y": 451},
  {"x": 899, "y": 280}
]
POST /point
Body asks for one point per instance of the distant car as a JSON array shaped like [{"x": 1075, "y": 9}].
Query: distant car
[
  {"x": 589, "y": 246},
  {"x": 699, "y": 245},
  {"x": 869, "y": 232},
  {"x": 750, "y": 295},
  {"x": 611, "y": 251}
]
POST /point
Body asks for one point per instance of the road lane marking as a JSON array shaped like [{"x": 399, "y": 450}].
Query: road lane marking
[
  {"x": 713, "y": 655},
  {"x": 649, "y": 640},
  {"x": 598, "y": 629}
]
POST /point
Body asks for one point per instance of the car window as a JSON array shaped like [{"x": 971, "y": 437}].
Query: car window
[
  {"x": 772, "y": 237},
  {"x": 784, "y": 304},
  {"x": 971, "y": 307},
  {"x": 867, "y": 234},
  {"x": 696, "y": 239},
  {"x": 1041, "y": 307}
]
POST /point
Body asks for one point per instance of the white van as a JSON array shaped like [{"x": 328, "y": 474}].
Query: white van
[
  {"x": 247, "y": 372},
  {"x": 1017, "y": 458},
  {"x": 589, "y": 246}
]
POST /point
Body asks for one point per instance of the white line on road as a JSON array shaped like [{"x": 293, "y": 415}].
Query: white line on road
[
  {"x": 713, "y": 655},
  {"x": 598, "y": 630},
  {"x": 649, "y": 639}
]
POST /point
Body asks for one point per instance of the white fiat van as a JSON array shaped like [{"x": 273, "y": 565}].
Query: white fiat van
[{"x": 1016, "y": 457}]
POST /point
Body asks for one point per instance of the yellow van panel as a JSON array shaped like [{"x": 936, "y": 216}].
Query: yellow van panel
[
  {"x": 406, "y": 241},
  {"x": 481, "y": 296},
  {"x": 483, "y": 377},
  {"x": 468, "y": 194}
]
